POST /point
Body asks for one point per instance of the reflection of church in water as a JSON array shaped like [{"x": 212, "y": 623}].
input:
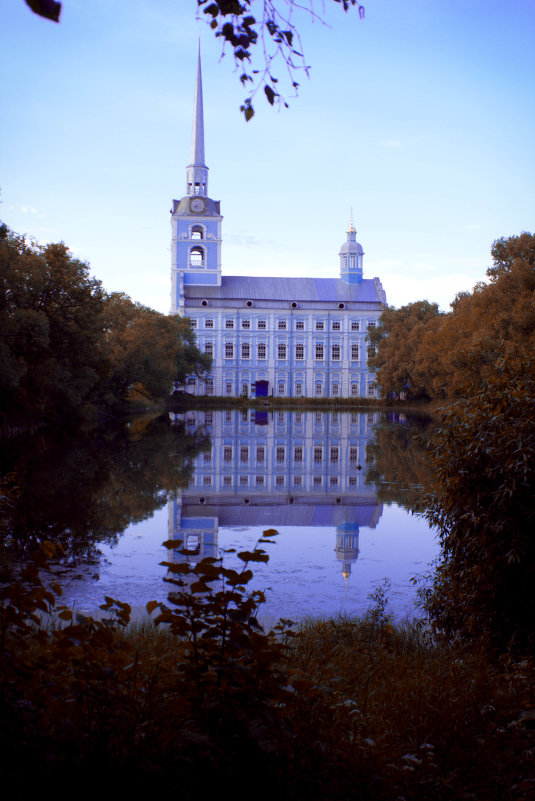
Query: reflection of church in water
[{"x": 274, "y": 469}]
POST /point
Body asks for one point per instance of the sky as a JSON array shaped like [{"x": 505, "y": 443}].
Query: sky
[{"x": 420, "y": 118}]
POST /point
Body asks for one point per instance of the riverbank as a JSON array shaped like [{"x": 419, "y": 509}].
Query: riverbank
[
  {"x": 184, "y": 401},
  {"x": 142, "y": 407}
]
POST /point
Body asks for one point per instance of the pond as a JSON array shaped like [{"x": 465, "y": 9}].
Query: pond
[{"x": 344, "y": 491}]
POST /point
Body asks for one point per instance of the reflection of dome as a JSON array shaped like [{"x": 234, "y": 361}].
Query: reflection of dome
[{"x": 347, "y": 545}]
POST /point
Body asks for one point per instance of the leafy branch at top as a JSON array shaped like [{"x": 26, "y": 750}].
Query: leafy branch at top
[
  {"x": 250, "y": 27},
  {"x": 272, "y": 30}
]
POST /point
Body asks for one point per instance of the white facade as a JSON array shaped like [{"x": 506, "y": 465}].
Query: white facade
[{"x": 290, "y": 337}]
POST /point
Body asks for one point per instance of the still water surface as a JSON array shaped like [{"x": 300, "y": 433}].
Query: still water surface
[{"x": 337, "y": 486}]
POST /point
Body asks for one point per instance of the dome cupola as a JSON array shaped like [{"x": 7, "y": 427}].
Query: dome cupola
[{"x": 351, "y": 254}]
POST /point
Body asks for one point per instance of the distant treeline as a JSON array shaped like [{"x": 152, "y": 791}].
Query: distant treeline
[{"x": 68, "y": 348}]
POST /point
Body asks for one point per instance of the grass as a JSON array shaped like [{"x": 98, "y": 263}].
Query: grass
[
  {"x": 444, "y": 723},
  {"x": 376, "y": 711}
]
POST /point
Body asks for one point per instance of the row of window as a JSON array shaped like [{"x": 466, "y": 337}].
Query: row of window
[
  {"x": 281, "y": 388},
  {"x": 281, "y": 418},
  {"x": 280, "y": 481},
  {"x": 280, "y": 454},
  {"x": 282, "y": 325},
  {"x": 282, "y": 351}
]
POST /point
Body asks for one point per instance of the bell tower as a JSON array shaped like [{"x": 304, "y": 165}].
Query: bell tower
[{"x": 196, "y": 219}]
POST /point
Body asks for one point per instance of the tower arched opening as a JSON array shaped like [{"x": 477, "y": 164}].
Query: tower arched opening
[{"x": 196, "y": 257}]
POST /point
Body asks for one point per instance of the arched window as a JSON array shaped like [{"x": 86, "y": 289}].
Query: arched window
[
  {"x": 197, "y": 232},
  {"x": 196, "y": 257}
]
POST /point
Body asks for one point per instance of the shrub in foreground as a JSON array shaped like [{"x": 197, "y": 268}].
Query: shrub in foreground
[{"x": 207, "y": 702}]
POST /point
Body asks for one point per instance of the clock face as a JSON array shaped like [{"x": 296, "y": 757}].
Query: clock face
[{"x": 197, "y": 204}]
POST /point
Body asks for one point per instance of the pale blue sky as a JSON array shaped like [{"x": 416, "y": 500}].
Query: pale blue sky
[{"x": 421, "y": 117}]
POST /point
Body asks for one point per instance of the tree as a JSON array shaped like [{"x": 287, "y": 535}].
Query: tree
[
  {"x": 508, "y": 253},
  {"x": 66, "y": 347},
  {"x": 397, "y": 340},
  {"x": 496, "y": 319},
  {"x": 146, "y": 348},
  {"x": 482, "y": 503},
  {"x": 249, "y": 28},
  {"x": 482, "y": 500},
  {"x": 50, "y": 312},
  {"x": 426, "y": 354}
]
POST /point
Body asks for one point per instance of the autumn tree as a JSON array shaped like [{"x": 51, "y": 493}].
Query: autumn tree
[
  {"x": 482, "y": 500},
  {"x": 147, "y": 349},
  {"x": 425, "y": 354},
  {"x": 482, "y": 504},
  {"x": 397, "y": 339},
  {"x": 494, "y": 320}
]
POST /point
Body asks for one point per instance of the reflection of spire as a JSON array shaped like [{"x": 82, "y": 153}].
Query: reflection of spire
[{"x": 347, "y": 546}]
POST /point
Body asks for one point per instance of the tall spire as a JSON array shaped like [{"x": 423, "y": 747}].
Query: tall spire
[
  {"x": 197, "y": 171},
  {"x": 197, "y": 136}
]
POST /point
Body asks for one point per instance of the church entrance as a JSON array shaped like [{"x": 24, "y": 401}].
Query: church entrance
[{"x": 261, "y": 389}]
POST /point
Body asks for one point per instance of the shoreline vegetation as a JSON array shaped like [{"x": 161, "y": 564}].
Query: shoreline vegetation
[
  {"x": 346, "y": 708},
  {"x": 303, "y": 404}
]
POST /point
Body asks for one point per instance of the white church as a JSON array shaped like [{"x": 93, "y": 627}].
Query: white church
[{"x": 289, "y": 337}]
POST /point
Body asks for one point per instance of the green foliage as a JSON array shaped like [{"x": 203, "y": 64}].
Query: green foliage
[
  {"x": 147, "y": 349},
  {"x": 68, "y": 349},
  {"x": 483, "y": 506},
  {"x": 50, "y": 311}
]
